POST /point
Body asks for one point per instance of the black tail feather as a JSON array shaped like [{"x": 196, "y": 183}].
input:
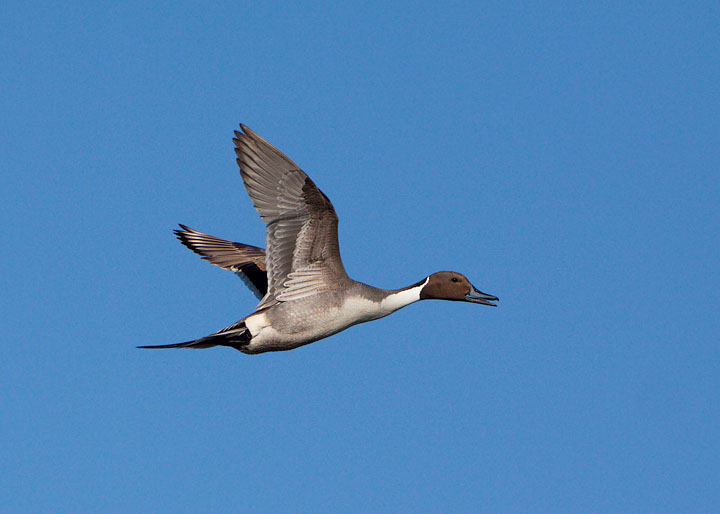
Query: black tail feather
[
  {"x": 196, "y": 344},
  {"x": 237, "y": 338}
]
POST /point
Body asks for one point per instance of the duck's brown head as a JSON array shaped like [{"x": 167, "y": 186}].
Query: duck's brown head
[{"x": 449, "y": 285}]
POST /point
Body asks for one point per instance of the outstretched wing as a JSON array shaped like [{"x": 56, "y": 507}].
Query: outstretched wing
[
  {"x": 303, "y": 254},
  {"x": 248, "y": 262}
]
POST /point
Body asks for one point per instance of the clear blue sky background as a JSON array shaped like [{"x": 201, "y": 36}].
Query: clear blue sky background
[{"x": 565, "y": 158}]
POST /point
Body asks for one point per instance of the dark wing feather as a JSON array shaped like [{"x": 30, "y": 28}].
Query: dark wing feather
[
  {"x": 303, "y": 254},
  {"x": 248, "y": 262}
]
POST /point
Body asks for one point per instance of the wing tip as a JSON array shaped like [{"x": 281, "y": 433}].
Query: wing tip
[
  {"x": 244, "y": 131},
  {"x": 247, "y": 133}
]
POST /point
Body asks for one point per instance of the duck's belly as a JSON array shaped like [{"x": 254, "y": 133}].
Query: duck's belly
[{"x": 291, "y": 324}]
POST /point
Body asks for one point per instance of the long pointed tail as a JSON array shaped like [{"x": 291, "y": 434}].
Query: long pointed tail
[{"x": 236, "y": 337}]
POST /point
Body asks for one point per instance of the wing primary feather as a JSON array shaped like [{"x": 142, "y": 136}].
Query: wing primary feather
[{"x": 247, "y": 261}]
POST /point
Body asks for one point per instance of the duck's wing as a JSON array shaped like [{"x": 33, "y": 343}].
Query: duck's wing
[
  {"x": 248, "y": 262},
  {"x": 303, "y": 254}
]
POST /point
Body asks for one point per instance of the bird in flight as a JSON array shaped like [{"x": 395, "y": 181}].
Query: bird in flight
[{"x": 305, "y": 294}]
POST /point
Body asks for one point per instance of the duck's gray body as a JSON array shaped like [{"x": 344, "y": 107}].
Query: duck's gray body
[
  {"x": 292, "y": 324},
  {"x": 305, "y": 294}
]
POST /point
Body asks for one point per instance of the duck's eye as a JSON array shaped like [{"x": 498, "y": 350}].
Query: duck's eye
[{"x": 455, "y": 279}]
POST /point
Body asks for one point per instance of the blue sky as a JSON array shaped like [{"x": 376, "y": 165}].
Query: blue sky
[{"x": 564, "y": 157}]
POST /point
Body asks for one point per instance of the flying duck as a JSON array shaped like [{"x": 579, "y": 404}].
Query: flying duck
[{"x": 305, "y": 294}]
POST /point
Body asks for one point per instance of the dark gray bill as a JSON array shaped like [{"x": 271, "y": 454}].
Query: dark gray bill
[{"x": 476, "y": 296}]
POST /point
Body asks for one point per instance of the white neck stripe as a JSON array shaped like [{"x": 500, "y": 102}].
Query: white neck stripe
[{"x": 402, "y": 298}]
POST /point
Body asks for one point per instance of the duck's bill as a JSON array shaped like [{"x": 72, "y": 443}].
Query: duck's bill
[{"x": 476, "y": 296}]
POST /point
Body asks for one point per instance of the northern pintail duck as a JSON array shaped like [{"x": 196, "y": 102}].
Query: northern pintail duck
[{"x": 305, "y": 294}]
